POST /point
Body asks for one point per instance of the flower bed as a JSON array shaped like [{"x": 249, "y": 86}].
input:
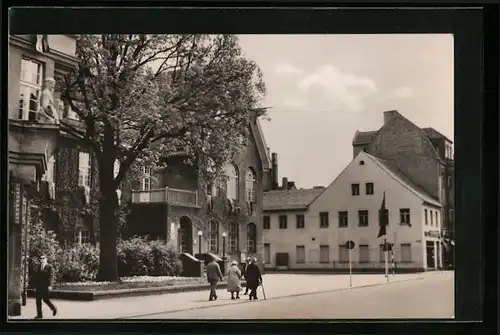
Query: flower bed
[{"x": 129, "y": 283}]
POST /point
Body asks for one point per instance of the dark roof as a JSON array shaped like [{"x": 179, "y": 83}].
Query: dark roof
[
  {"x": 434, "y": 134},
  {"x": 364, "y": 137},
  {"x": 392, "y": 167},
  {"x": 290, "y": 199}
]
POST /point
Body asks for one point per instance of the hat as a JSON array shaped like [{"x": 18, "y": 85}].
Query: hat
[
  {"x": 234, "y": 262},
  {"x": 249, "y": 259}
]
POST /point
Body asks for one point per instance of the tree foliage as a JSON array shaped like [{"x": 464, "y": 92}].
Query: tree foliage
[{"x": 141, "y": 98}]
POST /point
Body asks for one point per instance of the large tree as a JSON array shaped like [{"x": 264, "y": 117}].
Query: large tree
[{"x": 141, "y": 98}]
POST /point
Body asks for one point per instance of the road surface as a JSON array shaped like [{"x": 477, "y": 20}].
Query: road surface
[{"x": 432, "y": 297}]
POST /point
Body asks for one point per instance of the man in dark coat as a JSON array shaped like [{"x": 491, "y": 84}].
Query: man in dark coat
[
  {"x": 43, "y": 283},
  {"x": 213, "y": 275},
  {"x": 253, "y": 278},
  {"x": 249, "y": 260}
]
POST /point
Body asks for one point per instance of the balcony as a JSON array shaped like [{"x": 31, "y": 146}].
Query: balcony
[{"x": 166, "y": 195}]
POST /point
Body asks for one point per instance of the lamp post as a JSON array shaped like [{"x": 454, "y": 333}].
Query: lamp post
[
  {"x": 200, "y": 234},
  {"x": 224, "y": 235}
]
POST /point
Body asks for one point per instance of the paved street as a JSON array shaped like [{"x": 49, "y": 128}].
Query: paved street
[{"x": 288, "y": 296}]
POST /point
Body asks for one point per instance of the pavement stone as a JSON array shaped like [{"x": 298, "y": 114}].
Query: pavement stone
[{"x": 275, "y": 285}]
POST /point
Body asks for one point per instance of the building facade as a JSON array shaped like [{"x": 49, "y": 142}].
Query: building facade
[
  {"x": 33, "y": 110},
  {"x": 424, "y": 155},
  {"x": 194, "y": 217},
  {"x": 347, "y": 210}
]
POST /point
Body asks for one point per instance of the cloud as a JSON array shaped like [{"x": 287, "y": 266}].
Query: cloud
[
  {"x": 403, "y": 92},
  {"x": 286, "y": 69}
]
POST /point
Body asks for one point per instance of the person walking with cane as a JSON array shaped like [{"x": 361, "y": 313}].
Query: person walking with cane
[
  {"x": 43, "y": 285},
  {"x": 253, "y": 278}
]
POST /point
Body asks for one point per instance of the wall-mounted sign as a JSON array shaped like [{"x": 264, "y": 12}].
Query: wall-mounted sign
[{"x": 432, "y": 233}]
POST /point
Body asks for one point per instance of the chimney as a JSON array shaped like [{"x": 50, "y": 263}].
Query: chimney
[
  {"x": 274, "y": 171},
  {"x": 285, "y": 183},
  {"x": 389, "y": 115}
]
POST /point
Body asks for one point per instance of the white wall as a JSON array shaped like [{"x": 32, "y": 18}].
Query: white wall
[{"x": 337, "y": 197}]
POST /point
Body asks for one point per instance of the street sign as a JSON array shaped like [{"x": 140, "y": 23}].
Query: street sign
[{"x": 350, "y": 245}]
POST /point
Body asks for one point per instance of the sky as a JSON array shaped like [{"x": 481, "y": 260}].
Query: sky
[{"x": 322, "y": 88}]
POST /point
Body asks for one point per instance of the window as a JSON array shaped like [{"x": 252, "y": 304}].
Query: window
[
  {"x": 267, "y": 222},
  {"x": 364, "y": 253},
  {"x": 251, "y": 238},
  {"x": 84, "y": 176},
  {"x": 404, "y": 214},
  {"x": 343, "y": 219},
  {"x": 146, "y": 179},
  {"x": 355, "y": 189},
  {"x": 250, "y": 185},
  {"x": 323, "y": 220},
  {"x": 283, "y": 222},
  {"x": 30, "y": 89},
  {"x": 406, "y": 253},
  {"x": 300, "y": 254},
  {"x": 232, "y": 238},
  {"x": 369, "y": 188},
  {"x": 324, "y": 254},
  {"x": 82, "y": 235},
  {"x": 381, "y": 254},
  {"x": 267, "y": 253},
  {"x": 432, "y": 218},
  {"x": 363, "y": 218},
  {"x": 426, "y": 218},
  {"x": 213, "y": 237},
  {"x": 343, "y": 254},
  {"x": 436, "y": 217},
  {"x": 49, "y": 174},
  {"x": 300, "y": 221},
  {"x": 232, "y": 181}
]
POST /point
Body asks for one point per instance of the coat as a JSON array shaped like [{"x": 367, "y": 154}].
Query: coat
[
  {"x": 233, "y": 279},
  {"x": 253, "y": 276},
  {"x": 213, "y": 272},
  {"x": 43, "y": 278}
]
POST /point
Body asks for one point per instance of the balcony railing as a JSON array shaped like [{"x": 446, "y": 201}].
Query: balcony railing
[{"x": 166, "y": 195}]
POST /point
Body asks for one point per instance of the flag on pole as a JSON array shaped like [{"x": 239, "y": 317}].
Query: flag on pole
[{"x": 383, "y": 219}]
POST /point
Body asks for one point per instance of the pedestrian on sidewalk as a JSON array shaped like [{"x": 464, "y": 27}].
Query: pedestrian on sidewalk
[
  {"x": 213, "y": 275},
  {"x": 43, "y": 284},
  {"x": 233, "y": 280},
  {"x": 248, "y": 261},
  {"x": 253, "y": 278}
]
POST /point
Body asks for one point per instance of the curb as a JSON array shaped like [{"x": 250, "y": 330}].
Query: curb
[
  {"x": 274, "y": 298},
  {"x": 133, "y": 292}
]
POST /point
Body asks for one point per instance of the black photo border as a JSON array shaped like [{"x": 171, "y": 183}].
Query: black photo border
[{"x": 475, "y": 31}]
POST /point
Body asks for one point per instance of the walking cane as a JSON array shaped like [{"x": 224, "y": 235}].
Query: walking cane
[{"x": 263, "y": 291}]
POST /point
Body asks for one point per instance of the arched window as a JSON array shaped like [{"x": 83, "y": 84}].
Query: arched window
[
  {"x": 250, "y": 185},
  {"x": 232, "y": 240},
  {"x": 232, "y": 181},
  {"x": 251, "y": 238},
  {"x": 213, "y": 237}
]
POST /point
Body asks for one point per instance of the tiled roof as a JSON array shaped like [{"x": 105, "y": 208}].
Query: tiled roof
[
  {"x": 364, "y": 137},
  {"x": 289, "y": 199},
  {"x": 397, "y": 173},
  {"x": 433, "y": 133}
]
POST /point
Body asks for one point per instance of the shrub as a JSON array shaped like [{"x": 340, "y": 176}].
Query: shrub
[
  {"x": 78, "y": 263},
  {"x": 41, "y": 242},
  {"x": 140, "y": 257}
]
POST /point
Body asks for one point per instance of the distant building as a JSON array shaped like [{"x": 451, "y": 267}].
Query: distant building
[
  {"x": 424, "y": 155},
  {"x": 311, "y": 227}
]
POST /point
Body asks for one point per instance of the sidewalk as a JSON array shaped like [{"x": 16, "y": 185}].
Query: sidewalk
[{"x": 275, "y": 285}]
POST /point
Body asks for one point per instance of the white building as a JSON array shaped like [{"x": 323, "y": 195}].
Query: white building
[{"x": 348, "y": 210}]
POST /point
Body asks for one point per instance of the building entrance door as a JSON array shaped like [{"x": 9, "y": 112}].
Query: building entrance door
[{"x": 431, "y": 254}]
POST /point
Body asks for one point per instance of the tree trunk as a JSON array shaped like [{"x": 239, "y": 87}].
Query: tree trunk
[{"x": 108, "y": 258}]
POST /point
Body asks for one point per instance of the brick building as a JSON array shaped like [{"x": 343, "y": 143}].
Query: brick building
[
  {"x": 174, "y": 204},
  {"x": 424, "y": 155},
  {"x": 34, "y": 62}
]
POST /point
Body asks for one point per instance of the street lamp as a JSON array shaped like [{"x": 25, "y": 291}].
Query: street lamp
[
  {"x": 224, "y": 235},
  {"x": 200, "y": 234}
]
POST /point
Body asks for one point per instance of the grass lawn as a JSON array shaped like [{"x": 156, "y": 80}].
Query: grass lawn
[{"x": 130, "y": 282}]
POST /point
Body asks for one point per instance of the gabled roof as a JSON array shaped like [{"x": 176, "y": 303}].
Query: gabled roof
[
  {"x": 363, "y": 137},
  {"x": 434, "y": 134},
  {"x": 290, "y": 199},
  {"x": 403, "y": 179},
  {"x": 261, "y": 144}
]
